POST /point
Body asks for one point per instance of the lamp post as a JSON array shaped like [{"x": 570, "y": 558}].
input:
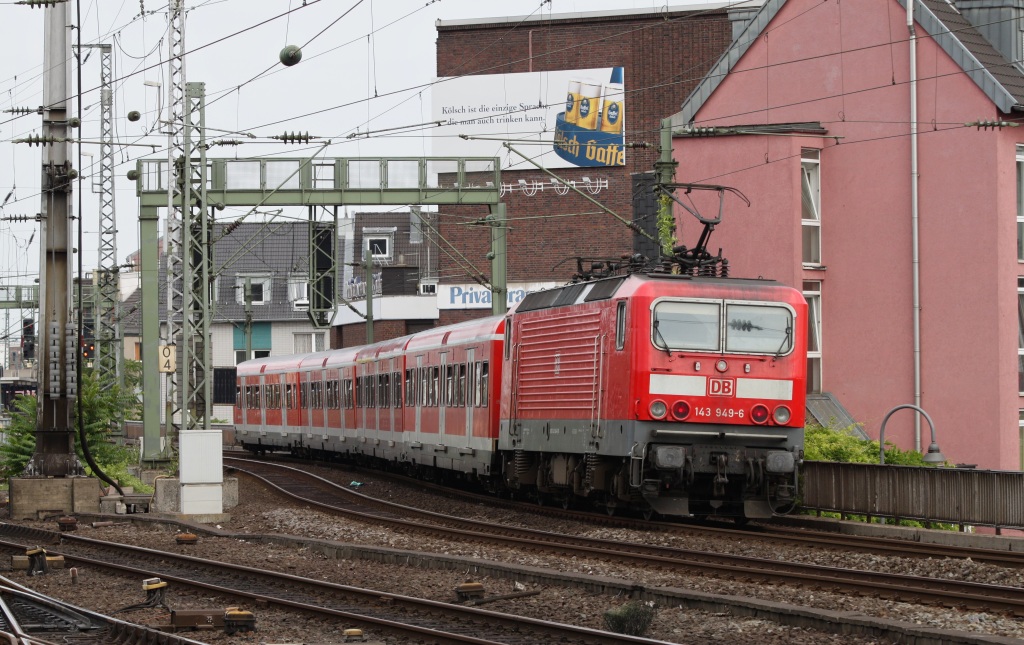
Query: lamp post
[{"x": 933, "y": 456}]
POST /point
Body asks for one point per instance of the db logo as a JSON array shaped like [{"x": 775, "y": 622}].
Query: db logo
[{"x": 720, "y": 386}]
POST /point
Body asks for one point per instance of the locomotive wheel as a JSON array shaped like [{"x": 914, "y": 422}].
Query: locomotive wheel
[{"x": 648, "y": 514}]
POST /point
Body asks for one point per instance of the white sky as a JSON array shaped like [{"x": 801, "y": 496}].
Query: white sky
[{"x": 355, "y": 82}]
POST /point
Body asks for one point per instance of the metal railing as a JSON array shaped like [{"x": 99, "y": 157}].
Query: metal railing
[{"x": 963, "y": 496}]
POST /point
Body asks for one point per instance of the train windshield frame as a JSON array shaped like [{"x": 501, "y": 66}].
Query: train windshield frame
[{"x": 698, "y": 325}]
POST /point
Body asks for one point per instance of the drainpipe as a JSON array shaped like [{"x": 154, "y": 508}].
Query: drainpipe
[{"x": 914, "y": 220}]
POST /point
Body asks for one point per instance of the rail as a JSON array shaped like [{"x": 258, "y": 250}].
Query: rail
[{"x": 963, "y": 496}]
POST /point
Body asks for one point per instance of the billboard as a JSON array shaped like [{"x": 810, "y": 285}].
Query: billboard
[{"x": 560, "y": 119}]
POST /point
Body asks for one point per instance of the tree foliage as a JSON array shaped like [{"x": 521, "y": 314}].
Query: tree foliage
[{"x": 102, "y": 406}]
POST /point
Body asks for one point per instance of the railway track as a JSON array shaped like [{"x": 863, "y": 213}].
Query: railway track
[
  {"x": 783, "y": 535},
  {"x": 328, "y": 496},
  {"x": 29, "y": 618},
  {"x": 409, "y": 617}
]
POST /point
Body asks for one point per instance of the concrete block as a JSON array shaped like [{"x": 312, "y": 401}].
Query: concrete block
[
  {"x": 34, "y": 498},
  {"x": 167, "y": 495}
]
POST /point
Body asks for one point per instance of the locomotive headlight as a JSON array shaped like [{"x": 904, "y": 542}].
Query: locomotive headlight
[
  {"x": 759, "y": 414},
  {"x": 782, "y": 415},
  {"x": 721, "y": 366},
  {"x": 680, "y": 410},
  {"x": 658, "y": 409}
]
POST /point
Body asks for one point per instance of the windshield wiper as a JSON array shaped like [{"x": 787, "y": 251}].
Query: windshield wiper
[
  {"x": 657, "y": 333},
  {"x": 787, "y": 339}
]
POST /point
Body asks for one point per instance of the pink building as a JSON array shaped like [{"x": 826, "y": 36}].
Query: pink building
[{"x": 915, "y": 300}]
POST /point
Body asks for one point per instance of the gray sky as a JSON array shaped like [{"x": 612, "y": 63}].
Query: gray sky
[{"x": 348, "y": 81}]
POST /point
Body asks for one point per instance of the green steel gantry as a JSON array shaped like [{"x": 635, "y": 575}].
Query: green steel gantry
[{"x": 314, "y": 182}]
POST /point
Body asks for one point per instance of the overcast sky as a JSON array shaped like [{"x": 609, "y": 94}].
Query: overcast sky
[{"x": 366, "y": 65}]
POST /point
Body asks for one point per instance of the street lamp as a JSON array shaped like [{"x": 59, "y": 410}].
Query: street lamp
[{"x": 933, "y": 456}]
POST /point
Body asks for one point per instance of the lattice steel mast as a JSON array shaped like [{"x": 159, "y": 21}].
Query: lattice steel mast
[
  {"x": 173, "y": 229},
  {"x": 108, "y": 298},
  {"x": 197, "y": 250}
]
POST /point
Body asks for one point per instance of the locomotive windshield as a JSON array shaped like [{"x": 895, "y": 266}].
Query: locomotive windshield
[{"x": 700, "y": 326}]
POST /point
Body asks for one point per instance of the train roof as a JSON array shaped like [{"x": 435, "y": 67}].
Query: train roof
[
  {"x": 383, "y": 349},
  {"x": 471, "y": 330},
  {"x": 270, "y": 364},
  {"x": 625, "y": 285}
]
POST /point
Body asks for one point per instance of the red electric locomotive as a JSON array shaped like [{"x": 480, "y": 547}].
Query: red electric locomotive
[{"x": 667, "y": 393}]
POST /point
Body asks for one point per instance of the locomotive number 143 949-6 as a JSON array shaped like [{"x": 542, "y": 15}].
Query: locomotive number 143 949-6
[{"x": 708, "y": 412}]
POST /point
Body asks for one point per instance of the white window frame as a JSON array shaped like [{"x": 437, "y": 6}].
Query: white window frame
[
  {"x": 314, "y": 340},
  {"x": 263, "y": 279},
  {"x": 812, "y": 294},
  {"x": 298, "y": 287},
  {"x": 1020, "y": 203},
  {"x": 810, "y": 207},
  {"x": 380, "y": 233},
  {"x": 256, "y": 353},
  {"x": 1020, "y": 334}
]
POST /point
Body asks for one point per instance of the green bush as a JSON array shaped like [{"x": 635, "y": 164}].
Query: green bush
[
  {"x": 842, "y": 445},
  {"x": 632, "y": 619}
]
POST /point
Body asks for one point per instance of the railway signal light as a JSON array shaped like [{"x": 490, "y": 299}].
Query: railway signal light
[{"x": 28, "y": 339}]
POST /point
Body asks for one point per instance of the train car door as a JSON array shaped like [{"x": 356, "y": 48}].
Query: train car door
[
  {"x": 442, "y": 400},
  {"x": 334, "y": 401},
  {"x": 318, "y": 413},
  {"x": 387, "y": 405},
  {"x": 237, "y": 414},
  {"x": 250, "y": 388},
  {"x": 468, "y": 379},
  {"x": 420, "y": 390}
]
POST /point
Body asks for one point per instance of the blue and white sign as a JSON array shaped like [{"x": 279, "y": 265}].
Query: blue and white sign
[{"x": 474, "y": 296}]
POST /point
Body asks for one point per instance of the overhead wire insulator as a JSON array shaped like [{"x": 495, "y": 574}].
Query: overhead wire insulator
[
  {"x": 41, "y": 3},
  {"x": 39, "y": 140},
  {"x": 22, "y": 218},
  {"x": 294, "y": 137},
  {"x": 24, "y": 110}
]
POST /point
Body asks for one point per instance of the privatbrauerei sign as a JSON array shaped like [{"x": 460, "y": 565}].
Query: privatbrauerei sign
[
  {"x": 561, "y": 119},
  {"x": 474, "y": 296}
]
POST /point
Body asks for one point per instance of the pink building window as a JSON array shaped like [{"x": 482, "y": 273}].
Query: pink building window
[
  {"x": 812, "y": 294},
  {"x": 810, "y": 216}
]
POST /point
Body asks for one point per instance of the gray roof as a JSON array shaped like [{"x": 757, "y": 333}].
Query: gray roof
[
  {"x": 999, "y": 79},
  {"x": 278, "y": 249}
]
